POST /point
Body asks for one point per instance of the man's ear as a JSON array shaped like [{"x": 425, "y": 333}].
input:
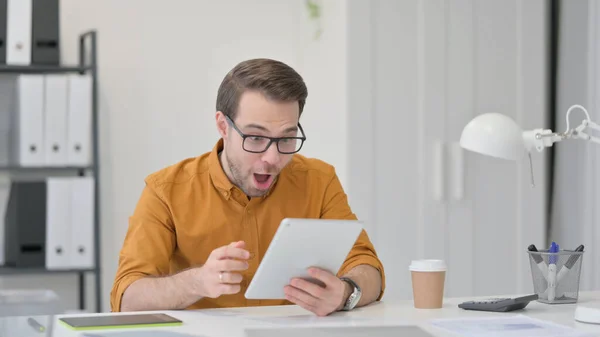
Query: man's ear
[{"x": 221, "y": 124}]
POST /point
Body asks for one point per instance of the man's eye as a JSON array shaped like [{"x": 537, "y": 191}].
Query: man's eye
[{"x": 256, "y": 139}]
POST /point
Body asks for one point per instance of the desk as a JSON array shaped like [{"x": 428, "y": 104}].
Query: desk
[{"x": 231, "y": 322}]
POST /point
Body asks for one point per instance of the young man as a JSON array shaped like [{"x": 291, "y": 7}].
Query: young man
[{"x": 201, "y": 226}]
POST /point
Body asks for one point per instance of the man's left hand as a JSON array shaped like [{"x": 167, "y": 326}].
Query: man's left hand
[{"x": 320, "y": 299}]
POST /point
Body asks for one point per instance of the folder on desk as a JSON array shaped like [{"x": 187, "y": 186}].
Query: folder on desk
[
  {"x": 45, "y": 32},
  {"x": 18, "y": 32},
  {"x": 55, "y": 119},
  {"x": 79, "y": 115}
]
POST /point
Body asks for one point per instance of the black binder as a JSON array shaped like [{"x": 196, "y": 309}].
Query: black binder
[
  {"x": 25, "y": 225},
  {"x": 3, "y": 24},
  {"x": 45, "y": 32}
]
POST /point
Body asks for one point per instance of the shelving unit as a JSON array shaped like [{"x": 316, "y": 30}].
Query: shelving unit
[{"x": 87, "y": 65}]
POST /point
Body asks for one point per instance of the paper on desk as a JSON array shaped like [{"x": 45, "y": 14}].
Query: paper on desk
[
  {"x": 513, "y": 326},
  {"x": 313, "y": 320}
]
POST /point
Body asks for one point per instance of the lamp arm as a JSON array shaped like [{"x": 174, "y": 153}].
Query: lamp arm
[
  {"x": 542, "y": 138},
  {"x": 579, "y": 134}
]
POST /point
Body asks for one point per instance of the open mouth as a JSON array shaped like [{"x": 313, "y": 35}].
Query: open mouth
[{"x": 263, "y": 181}]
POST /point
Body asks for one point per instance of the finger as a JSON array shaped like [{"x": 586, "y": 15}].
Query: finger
[
  {"x": 231, "y": 265},
  {"x": 229, "y": 288},
  {"x": 308, "y": 287},
  {"x": 238, "y": 244},
  {"x": 231, "y": 252},
  {"x": 300, "y": 303},
  {"x": 323, "y": 275},
  {"x": 231, "y": 278},
  {"x": 301, "y": 295}
]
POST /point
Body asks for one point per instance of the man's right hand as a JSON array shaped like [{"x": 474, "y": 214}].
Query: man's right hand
[{"x": 220, "y": 274}]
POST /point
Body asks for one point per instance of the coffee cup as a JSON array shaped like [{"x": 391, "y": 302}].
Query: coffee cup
[{"x": 428, "y": 277}]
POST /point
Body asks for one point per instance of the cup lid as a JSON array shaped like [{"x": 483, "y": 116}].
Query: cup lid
[{"x": 428, "y": 265}]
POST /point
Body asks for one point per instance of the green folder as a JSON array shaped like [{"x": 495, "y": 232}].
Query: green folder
[{"x": 120, "y": 321}]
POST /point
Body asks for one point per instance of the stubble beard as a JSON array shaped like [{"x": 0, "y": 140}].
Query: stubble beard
[{"x": 237, "y": 178}]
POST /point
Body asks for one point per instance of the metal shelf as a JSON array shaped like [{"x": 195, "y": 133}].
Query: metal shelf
[
  {"x": 42, "y": 69},
  {"x": 44, "y": 168},
  {"x": 7, "y": 270},
  {"x": 87, "y": 64}
]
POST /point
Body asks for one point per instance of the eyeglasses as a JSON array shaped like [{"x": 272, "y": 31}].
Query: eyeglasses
[{"x": 260, "y": 144}]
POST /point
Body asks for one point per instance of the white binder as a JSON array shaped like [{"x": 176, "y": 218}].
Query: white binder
[
  {"x": 58, "y": 234},
  {"x": 18, "y": 31},
  {"x": 79, "y": 140},
  {"x": 82, "y": 223},
  {"x": 30, "y": 120},
  {"x": 55, "y": 120}
]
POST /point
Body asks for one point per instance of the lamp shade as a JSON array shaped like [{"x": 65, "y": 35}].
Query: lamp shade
[{"x": 495, "y": 135}]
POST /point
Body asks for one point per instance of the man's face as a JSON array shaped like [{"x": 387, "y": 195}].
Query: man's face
[{"x": 254, "y": 173}]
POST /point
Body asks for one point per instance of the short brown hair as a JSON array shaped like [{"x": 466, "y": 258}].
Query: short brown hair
[{"x": 274, "y": 79}]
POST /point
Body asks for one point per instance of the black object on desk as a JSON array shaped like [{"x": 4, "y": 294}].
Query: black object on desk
[{"x": 499, "y": 304}]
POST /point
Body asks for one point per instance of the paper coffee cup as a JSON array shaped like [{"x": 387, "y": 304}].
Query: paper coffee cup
[{"x": 428, "y": 278}]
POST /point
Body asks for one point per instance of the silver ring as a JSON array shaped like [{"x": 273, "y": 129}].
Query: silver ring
[{"x": 221, "y": 277}]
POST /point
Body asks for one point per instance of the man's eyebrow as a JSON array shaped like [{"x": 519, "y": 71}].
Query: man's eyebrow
[
  {"x": 256, "y": 126},
  {"x": 262, "y": 128}
]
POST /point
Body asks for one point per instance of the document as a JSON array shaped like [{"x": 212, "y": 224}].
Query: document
[{"x": 513, "y": 326}]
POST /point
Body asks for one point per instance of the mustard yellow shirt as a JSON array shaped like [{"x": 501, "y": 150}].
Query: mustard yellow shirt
[{"x": 187, "y": 210}]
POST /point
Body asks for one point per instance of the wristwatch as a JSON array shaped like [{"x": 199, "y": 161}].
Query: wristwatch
[{"x": 354, "y": 297}]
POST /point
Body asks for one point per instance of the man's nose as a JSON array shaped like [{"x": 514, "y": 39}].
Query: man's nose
[{"x": 272, "y": 155}]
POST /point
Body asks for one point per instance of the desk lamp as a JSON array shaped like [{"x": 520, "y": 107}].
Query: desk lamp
[{"x": 497, "y": 135}]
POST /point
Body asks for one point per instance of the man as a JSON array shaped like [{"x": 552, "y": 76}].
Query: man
[{"x": 201, "y": 226}]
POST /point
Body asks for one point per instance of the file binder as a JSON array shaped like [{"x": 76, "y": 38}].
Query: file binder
[
  {"x": 29, "y": 129},
  {"x": 6, "y": 122},
  {"x": 58, "y": 219},
  {"x": 82, "y": 223},
  {"x": 55, "y": 120},
  {"x": 3, "y": 24},
  {"x": 25, "y": 225},
  {"x": 45, "y": 47},
  {"x": 18, "y": 32},
  {"x": 79, "y": 152}
]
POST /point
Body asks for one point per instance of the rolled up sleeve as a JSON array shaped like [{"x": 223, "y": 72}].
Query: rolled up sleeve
[
  {"x": 336, "y": 206},
  {"x": 148, "y": 245}
]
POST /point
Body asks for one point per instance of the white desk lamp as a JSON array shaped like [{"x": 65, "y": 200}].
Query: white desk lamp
[{"x": 499, "y": 136}]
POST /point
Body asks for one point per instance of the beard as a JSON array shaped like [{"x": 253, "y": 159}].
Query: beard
[{"x": 245, "y": 180}]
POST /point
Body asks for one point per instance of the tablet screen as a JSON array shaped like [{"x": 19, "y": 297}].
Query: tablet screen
[{"x": 120, "y": 320}]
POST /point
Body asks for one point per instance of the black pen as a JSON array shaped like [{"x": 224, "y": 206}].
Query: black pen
[
  {"x": 569, "y": 264},
  {"x": 539, "y": 261},
  {"x": 34, "y": 324}
]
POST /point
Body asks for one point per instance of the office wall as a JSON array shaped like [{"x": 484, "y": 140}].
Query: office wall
[
  {"x": 426, "y": 68},
  {"x": 575, "y": 211},
  {"x": 159, "y": 69}
]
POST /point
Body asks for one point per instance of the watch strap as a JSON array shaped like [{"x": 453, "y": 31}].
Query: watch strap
[{"x": 354, "y": 297}]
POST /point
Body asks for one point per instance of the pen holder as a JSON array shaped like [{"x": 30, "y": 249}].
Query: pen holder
[{"x": 556, "y": 275}]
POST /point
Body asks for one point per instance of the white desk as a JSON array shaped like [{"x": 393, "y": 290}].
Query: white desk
[{"x": 232, "y": 321}]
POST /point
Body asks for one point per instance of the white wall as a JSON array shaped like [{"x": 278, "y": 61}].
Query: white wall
[
  {"x": 426, "y": 68},
  {"x": 575, "y": 211},
  {"x": 159, "y": 69}
]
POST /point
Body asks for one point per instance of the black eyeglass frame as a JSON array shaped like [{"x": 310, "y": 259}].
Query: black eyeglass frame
[{"x": 271, "y": 139}]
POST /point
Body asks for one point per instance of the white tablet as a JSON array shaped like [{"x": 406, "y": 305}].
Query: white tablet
[{"x": 298, "y": 245}]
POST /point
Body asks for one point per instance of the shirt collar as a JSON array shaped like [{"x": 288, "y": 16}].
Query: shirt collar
[{"x": 218, "y": 176}]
